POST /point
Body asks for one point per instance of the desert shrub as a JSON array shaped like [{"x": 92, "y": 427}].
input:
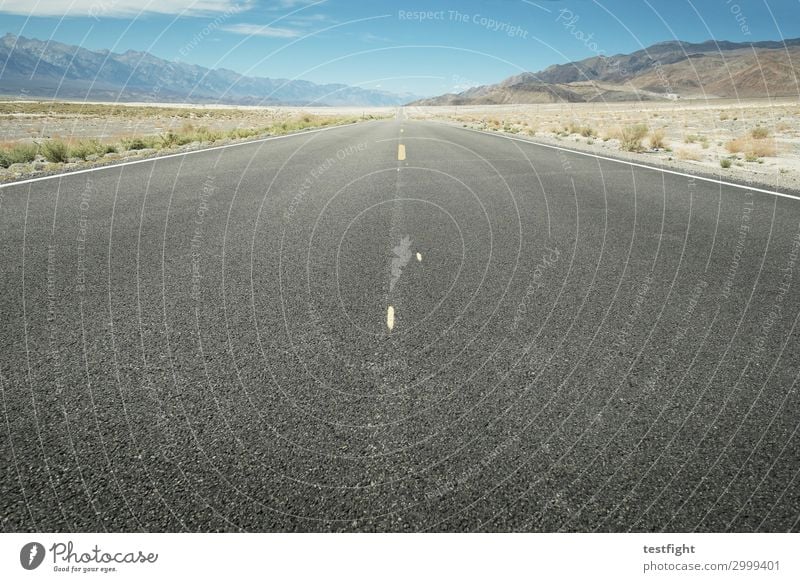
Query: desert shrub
[
  {"x": 657, "y": 139},
  {"x": 632, "y": 136},
  {"x": 763, "y": 148},
  {"x": 169, "y": 139},
  {"x": 134, "y": 143},
  {"x": 86, "y": 148},
  {"x": 725, "y": 162},
  {"x": 587, "y": 131},
  {"x": 691, "y": 138},
  {"x": 55, "y": 150},
  {"x": 244, "y": 133},
  {"x": 20, "y": 153},
  {"x": 687, "y": 154},
  {"x": 759, "y": 133},
  {"x": 755, "y": 148},
  {"x": 610, "y": 134},
  {"x": 735, "y": 146}
]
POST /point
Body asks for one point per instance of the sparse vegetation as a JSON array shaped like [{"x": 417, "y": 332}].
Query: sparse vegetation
[
  {"x": 632, "y": 136},
  {"x": 83, "y": 149},
  {"x": 759, "y": 133},
  {"x": 735, "y": 146},
  {"x": 688, "y": 154},
  {"x": 58, "y": 150},
  {"x": 657, "y": 139},
  {"x": 136, "y": 143},
  {"x": 754, "y": 148},
  {"x": 21, "y": 153},
  {"x": 55, "y": 151},
  {"x": 725, "y": 162},
  {"x": 764, "y": 149}
]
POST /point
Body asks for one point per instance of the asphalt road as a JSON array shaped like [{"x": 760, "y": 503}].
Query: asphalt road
[{"x": 203, "y": 342}]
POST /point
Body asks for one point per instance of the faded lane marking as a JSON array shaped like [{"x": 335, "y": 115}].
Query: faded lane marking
[
  {"x": 401, "y": 152},
  {"x": 419, "y": 257},
  {"x": 402, "y": 254},
  {"x": 390, "y": 318}
]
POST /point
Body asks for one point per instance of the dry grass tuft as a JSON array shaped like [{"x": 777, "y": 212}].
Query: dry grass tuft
[
  {"x": 758, "y": 148},
  {"x": 688, "y": 154},
  {"x": 632, "y": 136},
  {"x": 657, "y": 139}
]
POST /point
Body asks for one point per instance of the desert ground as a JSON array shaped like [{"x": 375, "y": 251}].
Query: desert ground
[
  {"x": 756, "y": 140},
  {"x": 38, "y": 137}
]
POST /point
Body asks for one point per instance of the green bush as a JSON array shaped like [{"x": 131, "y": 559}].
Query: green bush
[
  {"x": 56, "y": 151},
  {"x": 135, "y": 143},
  {"x": 169, "y": 139},
  {"x": 84, "y": 149},
  {"x": 725, "y": 162},
  {"x": 21, "y": 153},
  {"x": 140, "y": 143}
]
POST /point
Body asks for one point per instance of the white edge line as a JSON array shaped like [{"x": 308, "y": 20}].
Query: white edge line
[
  {"x": 175, "y": 155},
  {"x": 629, "y": 163}
]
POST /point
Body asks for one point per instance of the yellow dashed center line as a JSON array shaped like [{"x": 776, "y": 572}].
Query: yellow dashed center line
[{"x": 401, "y": 152}]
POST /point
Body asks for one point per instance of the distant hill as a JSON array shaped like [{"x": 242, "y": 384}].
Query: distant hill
[
  {"x": 54, "y": 70},
  {"x": 666, "y": 70}
]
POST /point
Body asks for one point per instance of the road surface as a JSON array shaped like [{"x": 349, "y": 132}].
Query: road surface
[{"x": 397, "y": 326}]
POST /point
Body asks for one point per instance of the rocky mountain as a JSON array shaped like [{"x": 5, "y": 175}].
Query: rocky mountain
[
  {"x": 36, "y": 68},
  {"x": 665, "y": 70}
]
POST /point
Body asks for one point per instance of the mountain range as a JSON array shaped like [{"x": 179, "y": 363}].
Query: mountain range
[
  {"x": 667, "y": 70},
  {"x": 35, "y": 68}
]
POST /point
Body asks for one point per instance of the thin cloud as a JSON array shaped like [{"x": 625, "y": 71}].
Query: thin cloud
[
  {"x": 256, "y": 30},
  {"x": 295, "y": 3},
  {"x": 121, "y": 8}
]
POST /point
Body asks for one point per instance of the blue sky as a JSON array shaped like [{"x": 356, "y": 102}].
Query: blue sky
[{"x": 384, "y": 44}]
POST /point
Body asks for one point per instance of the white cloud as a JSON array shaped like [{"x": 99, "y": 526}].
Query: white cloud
[
  {"x": 256, "y": 30},
  {"x": 121, "y": 8},
  {"x": 295, "y": 3}
]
